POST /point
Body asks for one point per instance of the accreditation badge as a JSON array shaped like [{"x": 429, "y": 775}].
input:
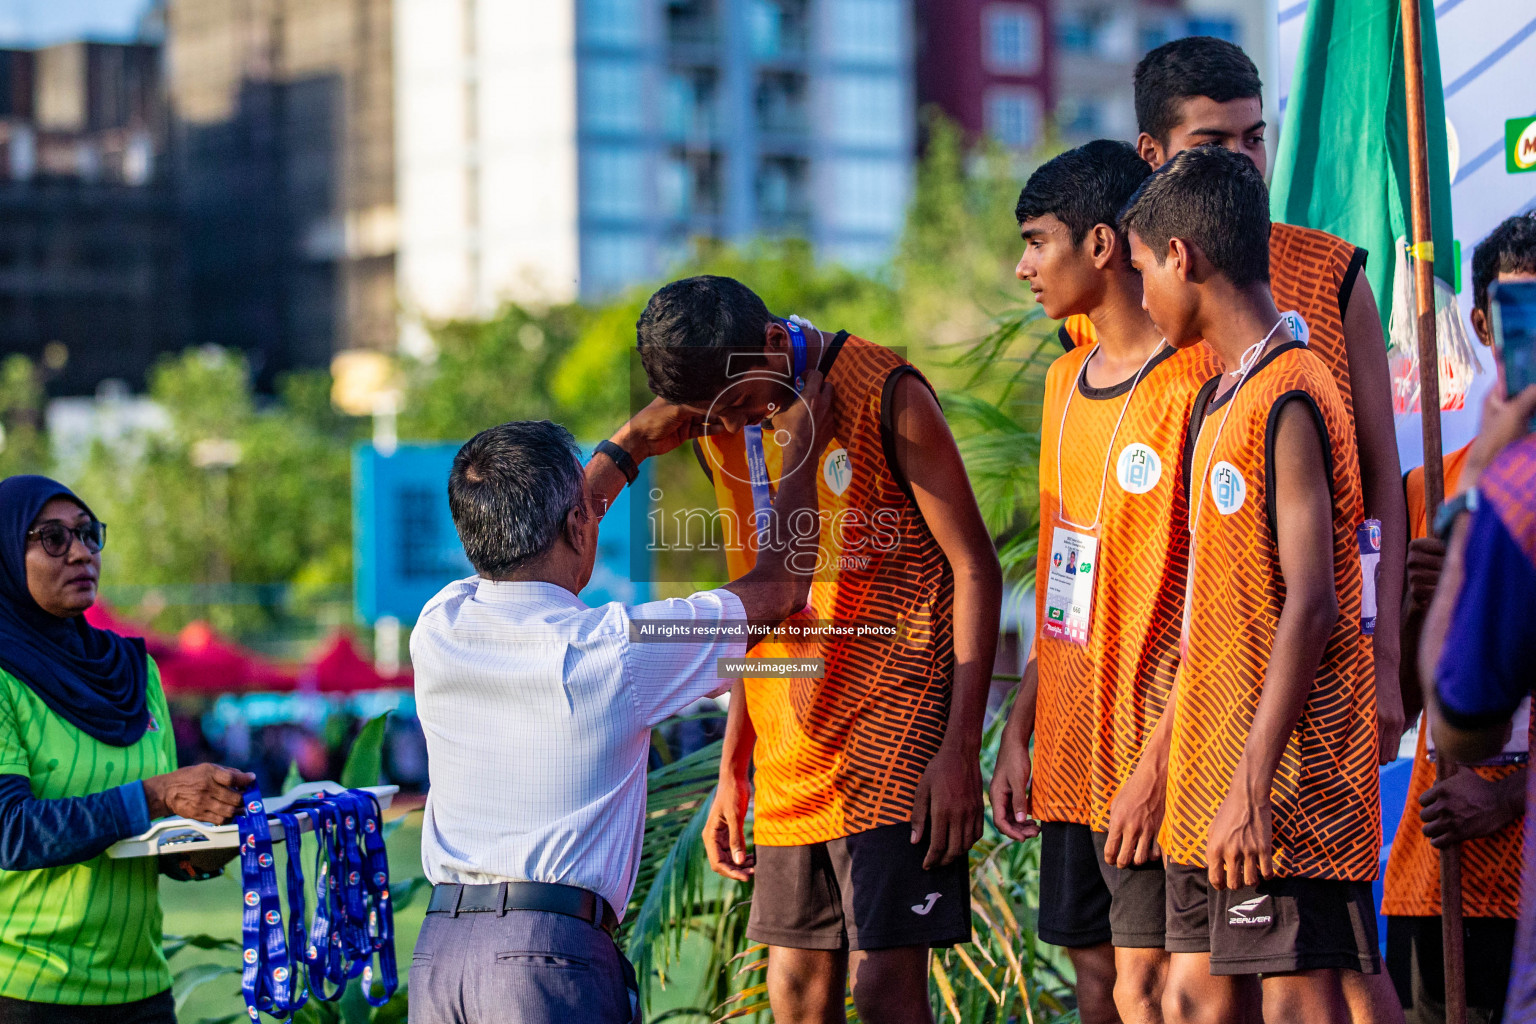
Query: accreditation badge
[
  {"x": 1070, "y": 573},
  {"x": 1517, "y": 742}
]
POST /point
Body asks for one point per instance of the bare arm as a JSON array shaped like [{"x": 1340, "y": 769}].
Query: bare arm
[
  {"x": 1381, "y": 482},
  {"x": 1009, "y": 791},
  {"x": 948, "y": 803},
  {"x": 725, "y": 840},
  {"x": 1136, "y": 813},
  {"x": 1426, "y": 559},
  {"x": 1241, "y": 843}
]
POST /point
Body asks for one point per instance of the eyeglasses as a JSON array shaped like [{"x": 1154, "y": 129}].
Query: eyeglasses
[{"x": 57, "y": 538}]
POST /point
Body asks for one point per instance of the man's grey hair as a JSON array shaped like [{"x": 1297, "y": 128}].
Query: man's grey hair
[{"x": 510, "y": 490}]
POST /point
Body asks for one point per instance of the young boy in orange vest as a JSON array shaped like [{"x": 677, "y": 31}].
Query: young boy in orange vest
[
  {"x": 868, "y": 783},
  {"x": 1112, "y": 557},
  {"x": 1203, "y": 91},
  {"x": 1273, "y": 821}
]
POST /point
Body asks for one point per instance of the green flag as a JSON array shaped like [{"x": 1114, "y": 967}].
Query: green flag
[{"x": 1343, "y": 159}]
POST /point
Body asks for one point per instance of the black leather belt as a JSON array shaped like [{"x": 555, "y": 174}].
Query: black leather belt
[{"x": 500, "y": 897}]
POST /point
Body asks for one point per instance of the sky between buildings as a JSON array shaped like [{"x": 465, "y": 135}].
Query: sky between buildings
[{"x": 38, "y": 22}]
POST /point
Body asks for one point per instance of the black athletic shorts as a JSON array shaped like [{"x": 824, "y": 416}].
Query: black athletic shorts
[
  {"x": 1283, "y": 924},
  {"x": 864, "y": 891},
  {"x": 1074, "y": 901},
  {"x": 1138, "y": 900}
]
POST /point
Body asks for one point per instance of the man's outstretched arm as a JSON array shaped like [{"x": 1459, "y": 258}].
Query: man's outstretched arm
[{"x": 948, "y": 805}]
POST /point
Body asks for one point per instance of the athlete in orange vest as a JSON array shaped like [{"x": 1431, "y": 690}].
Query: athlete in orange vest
[
  {"x": 868, "y": 783},
  {"x": 1482, "y": 808},
  {"x": 1110, "y": 575},
  {"x": 1273, "y": 820},
  {"x": 1202, "y": 91}
]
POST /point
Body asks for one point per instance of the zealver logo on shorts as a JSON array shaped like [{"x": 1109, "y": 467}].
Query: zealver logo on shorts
[
  {"x": 923, "y": 908},
  {"x": 1247, "y": 914}
]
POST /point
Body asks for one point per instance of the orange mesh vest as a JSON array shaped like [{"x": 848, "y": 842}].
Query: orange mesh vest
[
  {"x": 1325, "y": 796},
  {"x": 844, "y": 753},
  {"x": 1098, "y": 702},
  {"x": 1310, "y": 272},
  {"x": 1490, "y": 865}
]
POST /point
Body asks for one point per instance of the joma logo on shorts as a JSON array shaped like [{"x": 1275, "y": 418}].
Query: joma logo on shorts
[{"x": 1246, "y": 914}]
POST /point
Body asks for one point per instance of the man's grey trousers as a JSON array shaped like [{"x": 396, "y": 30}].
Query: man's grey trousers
[{"x": 523, "y": 967}]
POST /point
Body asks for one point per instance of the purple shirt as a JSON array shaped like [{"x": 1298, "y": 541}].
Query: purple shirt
[{"x": 1488, "y": 664}]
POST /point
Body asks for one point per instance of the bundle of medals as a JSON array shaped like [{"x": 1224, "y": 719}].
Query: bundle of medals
[{"x": 353, "y": 920}]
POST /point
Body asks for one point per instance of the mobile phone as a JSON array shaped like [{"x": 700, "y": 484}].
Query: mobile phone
[{"x": 1513, "y": 308}]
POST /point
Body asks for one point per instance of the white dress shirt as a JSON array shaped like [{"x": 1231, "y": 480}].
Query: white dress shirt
[{"x": 538, "y": 711}]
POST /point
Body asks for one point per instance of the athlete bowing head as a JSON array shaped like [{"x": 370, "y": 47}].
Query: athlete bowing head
[{"x": 868, "y": 785}]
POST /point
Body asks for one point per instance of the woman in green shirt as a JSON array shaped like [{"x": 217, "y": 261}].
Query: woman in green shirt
[{"x": 86, "y": 758}]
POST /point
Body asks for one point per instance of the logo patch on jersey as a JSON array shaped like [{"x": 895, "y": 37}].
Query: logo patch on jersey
[
  {"x": 154, "y": 726},
  {"x": 1250, "y": 913},
  {"x": 1297, "y": 325},
  {"x": 1138, "y": 469},
  {"x": 837, "y": 470},
  {"x": 1228, "y": 488}
]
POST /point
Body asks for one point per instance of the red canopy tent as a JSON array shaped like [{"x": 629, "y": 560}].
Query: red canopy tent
[
  {"x": 205, "y": 662},
  {"x": 339, "y": 667},
  {"x": 201, "y": 661}
]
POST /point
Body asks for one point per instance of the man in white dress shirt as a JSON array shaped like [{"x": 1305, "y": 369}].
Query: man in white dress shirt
[{"x": 538, "y": 709}]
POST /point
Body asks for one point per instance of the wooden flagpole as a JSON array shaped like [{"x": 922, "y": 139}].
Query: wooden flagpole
[{"x": 1434, "y": 471}]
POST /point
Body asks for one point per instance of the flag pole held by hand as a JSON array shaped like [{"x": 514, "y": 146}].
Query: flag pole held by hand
[{"x": 1434, "y": 472}]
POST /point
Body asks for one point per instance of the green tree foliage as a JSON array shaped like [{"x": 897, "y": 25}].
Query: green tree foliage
[
  {"x": 23, "y": 442},
  {"x": 235, "y": 491}
]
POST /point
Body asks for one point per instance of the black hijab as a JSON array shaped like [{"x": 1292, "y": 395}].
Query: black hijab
[{"x": 93, "y": 678}]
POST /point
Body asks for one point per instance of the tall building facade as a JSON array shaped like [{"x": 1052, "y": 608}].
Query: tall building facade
[
  {"x": 989, "y": 65},
  {"x": 284, "y": 117},
  {"x": 1024, "y": 72},
  {"x": 89, "y": 281},
  {"x": 572, "y": 149}
]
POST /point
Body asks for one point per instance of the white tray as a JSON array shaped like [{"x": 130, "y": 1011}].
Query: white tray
[{"x": 183, "y": 835}]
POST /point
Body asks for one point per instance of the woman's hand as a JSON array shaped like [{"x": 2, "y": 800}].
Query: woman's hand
[{"x": 203, "y": 792}]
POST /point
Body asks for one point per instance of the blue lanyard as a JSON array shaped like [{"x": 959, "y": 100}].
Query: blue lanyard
[
  {"x": 757, "y": 461},
  {"x": 353, "y": 920}
]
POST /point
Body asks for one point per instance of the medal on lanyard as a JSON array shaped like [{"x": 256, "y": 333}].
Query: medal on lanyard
[
  {"x": 757, "y": 460},
  {"x": 1073, "y": 565},
  {"x": 353, "y": 921}
]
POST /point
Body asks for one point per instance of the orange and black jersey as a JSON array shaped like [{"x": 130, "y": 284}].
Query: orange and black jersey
[
  {"x": 1097, "y": 702},
  {"x": 1325, "y": 795},
  {"x": 844, "y": 753}
]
